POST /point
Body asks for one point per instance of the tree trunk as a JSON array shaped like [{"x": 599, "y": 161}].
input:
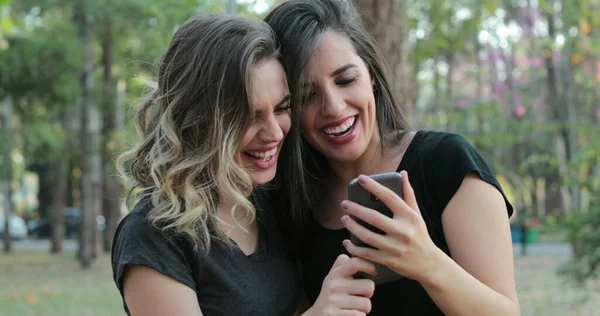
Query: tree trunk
[
  {"x": 8, "y": 206},
  {"x": 479, "y": 116},
  {"x": 6, "y": 170},
  {"x": 437, "y": 107},
  {"x": 71, "y": 186},
  {"x": 45, "y": 186},
  {"x": 512, "y": 154},
  {"x": 569, "y": 102},
  {"x": 112, "y": 186},
  {"x": 387, "y": 22},
  {"x": 60, "y": 167},
  {"x": 449, "y": 107},
  {"x": 91, "y": 161},
  {"x": 554, "y": 97}
]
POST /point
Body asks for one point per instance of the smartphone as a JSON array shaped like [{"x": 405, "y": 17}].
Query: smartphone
[{"x": 359, "y": 195}]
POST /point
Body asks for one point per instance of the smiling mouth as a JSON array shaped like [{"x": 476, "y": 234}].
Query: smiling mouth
[
  {"x": 262, "y": 155},
  {"x": 341, "y": 130}
]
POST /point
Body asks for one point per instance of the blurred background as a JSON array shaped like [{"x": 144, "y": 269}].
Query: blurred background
[{"x": 519, "y": 78}]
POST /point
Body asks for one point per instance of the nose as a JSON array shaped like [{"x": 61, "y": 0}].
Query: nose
[
  {"x": 333, "y": 103},
  {"x": 271, "y": 131}
]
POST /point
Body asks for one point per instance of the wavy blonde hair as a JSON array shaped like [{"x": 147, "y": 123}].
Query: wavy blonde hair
[{"x": 191, "y": 123}]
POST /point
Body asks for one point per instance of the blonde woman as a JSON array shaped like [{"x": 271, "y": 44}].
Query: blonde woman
[{"x": 202, "y": 240}]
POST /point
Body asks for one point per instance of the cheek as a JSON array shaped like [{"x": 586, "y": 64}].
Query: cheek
[
  {"x": 365, "y": 94},
  {"x": 285, "y": 123},
  {"x": 247, "y": 138}
]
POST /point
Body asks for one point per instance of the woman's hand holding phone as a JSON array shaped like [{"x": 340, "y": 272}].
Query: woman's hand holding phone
[
  {"x": 405, "y": 247},
  {"x": 341, "y": 294}
]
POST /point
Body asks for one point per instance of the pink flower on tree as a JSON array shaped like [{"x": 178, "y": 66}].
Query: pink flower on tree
[
  {"x": 537, "y": 62},
  {"x": 521, "y": 110}
]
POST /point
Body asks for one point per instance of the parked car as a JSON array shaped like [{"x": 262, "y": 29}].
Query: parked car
[
  {"x": 40, "y": 228},
  {"x": 16, "y": 227}
]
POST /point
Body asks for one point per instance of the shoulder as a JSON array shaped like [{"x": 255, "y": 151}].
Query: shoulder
[
  {"x": 137, "y": 224},
  {"x": 447, "y": 159},
  {"x": 138, "y": 242},
  {"x": 433, "y": 147},
  {"x": 436, "y": 142},
  {"x": 440, "y": 150}
]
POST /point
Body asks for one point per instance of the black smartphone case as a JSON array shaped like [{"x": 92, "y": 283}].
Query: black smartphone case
[{"x": 357, "y": 194}]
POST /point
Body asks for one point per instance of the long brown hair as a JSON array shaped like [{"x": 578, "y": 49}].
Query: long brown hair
[
  {"x": 191, "y": 123},
  {"x": 299, "y": 25}
]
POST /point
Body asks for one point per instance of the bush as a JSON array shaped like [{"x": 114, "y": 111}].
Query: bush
[{"x": 582, "y": 231}]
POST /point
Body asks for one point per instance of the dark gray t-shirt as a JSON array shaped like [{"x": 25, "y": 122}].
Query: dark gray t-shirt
[{"x": 227, "y": 282}]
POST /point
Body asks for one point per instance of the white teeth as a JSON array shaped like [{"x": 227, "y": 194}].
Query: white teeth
[
  {"x": 262, "y": 154},
  {"x": 341, "y": 128}
]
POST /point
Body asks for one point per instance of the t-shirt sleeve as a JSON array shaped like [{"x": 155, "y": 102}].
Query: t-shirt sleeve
[
  {"x": 136, "y": 242},
  {"x": 454, "y": 158}
]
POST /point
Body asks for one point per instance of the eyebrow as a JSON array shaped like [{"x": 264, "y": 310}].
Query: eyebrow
[
  {"x": 285, "y": 99},
  {"x": 333, "y": 74},
  {"x": 342, "y": 69}
]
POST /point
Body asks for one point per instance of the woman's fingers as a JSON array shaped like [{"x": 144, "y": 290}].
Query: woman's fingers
[{"x": 350, "y": 266}]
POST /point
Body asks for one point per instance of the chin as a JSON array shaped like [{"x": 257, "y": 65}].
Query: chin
[
  {"x": 346, "y": 155},
  {"x": 262, "y": 177}
]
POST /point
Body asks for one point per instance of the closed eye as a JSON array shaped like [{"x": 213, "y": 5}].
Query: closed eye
[
  {"x": 284, "y": 108},
  {"x": 346, "y": 81}
]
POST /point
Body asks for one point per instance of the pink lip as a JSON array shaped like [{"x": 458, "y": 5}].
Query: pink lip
[
  {"x": 264, "y": 148},
  {"x": 258, "y": 162},
  {"x": 346, "y": 139},
  {"x": 336, "y": 123},
  {"x": 261, "y": 164}
]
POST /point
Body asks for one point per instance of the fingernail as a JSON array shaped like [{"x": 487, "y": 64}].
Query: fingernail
[
  {"x": 345, "y": 219},
  {"x": 362, "y": 179},
  {"x": 345, "y": 204},
  {"x": 345, "y": 242}
]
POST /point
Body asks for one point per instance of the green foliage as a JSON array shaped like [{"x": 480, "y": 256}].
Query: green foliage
[
  {"x": 582, "y": 230},
  {"x": 42, "y": 64},
  {"x": 43, "y": 140}
]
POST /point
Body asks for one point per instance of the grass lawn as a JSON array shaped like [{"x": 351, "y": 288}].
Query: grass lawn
[
  {"x": 33, "y": 282},
  {"x": 542, "y": 292},
  {"x": 37, "y": 283}
]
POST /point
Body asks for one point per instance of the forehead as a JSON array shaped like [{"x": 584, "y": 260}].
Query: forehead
[
  {"x": 269, "y": 85},
  {"x": 334, "y": 42},
  {"x": 333, "y": 51}
]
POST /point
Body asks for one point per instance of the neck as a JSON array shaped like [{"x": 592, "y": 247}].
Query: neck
[
  {"x": 375, "y": 159},
  {"x": 369, "y": 162}
]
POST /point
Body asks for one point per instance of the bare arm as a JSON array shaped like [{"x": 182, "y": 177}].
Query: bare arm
[
  {"x": 150, "y": 293},
  {"x": 479, "y": 279}
]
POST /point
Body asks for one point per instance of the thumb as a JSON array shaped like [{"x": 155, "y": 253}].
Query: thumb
[{"x": 340, "y": 260}]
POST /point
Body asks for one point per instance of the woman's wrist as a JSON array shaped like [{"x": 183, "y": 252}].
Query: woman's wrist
[{"x": 436, "y": 270}]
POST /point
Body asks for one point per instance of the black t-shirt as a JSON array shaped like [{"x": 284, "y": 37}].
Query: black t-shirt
[
  {"x": 227, "y": 282},
  {"x": 437, "y": 164}
]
